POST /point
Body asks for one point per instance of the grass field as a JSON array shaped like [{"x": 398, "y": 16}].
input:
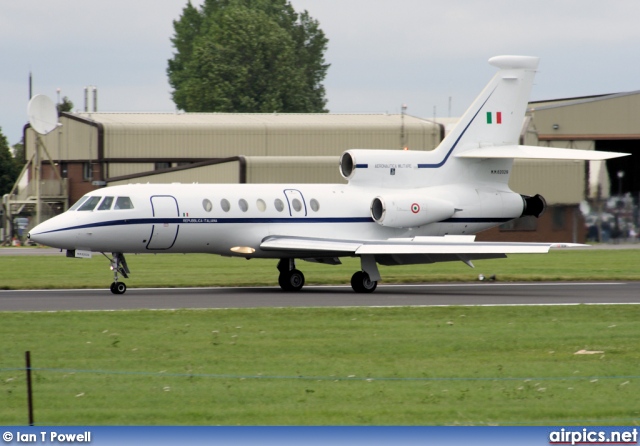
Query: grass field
[
  {"x": 358, "y": 366},
  {"x": 332, "y": 366},
  {"x": 179, "y": 270}
]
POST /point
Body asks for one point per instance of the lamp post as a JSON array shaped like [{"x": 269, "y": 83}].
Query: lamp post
[
  {"x": 619, "y": 204},
  {"x": 620, "y": 176}
]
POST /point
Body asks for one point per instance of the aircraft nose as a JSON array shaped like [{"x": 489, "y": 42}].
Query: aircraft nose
[
  {"x": 49, "y": 233},
  {"x": 36, "y": 235}
]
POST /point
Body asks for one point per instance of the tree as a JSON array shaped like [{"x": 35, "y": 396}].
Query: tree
[
  {"x": 19, "y": 154},
  {"x": 8, "y": 167},
  {"x": 251, "y": 56},
  {"x": 65, "y": 106}
]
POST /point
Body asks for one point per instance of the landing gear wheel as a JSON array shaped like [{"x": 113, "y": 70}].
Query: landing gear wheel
[
  {"x": 119, "y": 267},
  {"x": 118, "y": 287},
  {"x": 291, "y": 280},
  {"x": 361, "y": 283}
]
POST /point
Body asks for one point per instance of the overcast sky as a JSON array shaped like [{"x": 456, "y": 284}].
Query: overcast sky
[{"x": 383, "y": 53}]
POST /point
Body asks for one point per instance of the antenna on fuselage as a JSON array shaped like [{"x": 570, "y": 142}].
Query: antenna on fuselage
[{"x": 43, "y": 117}]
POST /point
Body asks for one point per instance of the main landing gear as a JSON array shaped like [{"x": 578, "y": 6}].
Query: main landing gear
[
  {"x": 362, "y": 283},
  {"x": 118, "y": 266},
  {"x": 291, "y": 279}
]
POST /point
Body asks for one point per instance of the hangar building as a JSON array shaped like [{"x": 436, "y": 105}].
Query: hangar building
[{"x": 91, "y": 150}]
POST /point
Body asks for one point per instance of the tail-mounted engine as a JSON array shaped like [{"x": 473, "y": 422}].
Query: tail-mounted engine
[
  {"x": 399, "y": 211},
  {"x": 389, "y": 168}
]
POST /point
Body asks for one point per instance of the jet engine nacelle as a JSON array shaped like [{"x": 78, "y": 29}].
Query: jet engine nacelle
[
  {"x": 388, "y": 168},
  {"x": 398, "y": 211}
]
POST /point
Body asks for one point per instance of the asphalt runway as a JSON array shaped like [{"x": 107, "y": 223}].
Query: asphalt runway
[{"x": 481, "y": 293}]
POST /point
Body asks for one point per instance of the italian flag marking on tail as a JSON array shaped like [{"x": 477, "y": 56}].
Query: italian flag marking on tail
[{"x": 494, "y": 117}]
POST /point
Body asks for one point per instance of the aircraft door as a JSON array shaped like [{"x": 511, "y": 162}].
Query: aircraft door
[
  {"x": 296, "y": 202},
  {"x": 164, "y": 230}
]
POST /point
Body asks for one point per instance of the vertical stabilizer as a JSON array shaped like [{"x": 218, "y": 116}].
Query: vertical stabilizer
[{"x": 496, "y": 116}]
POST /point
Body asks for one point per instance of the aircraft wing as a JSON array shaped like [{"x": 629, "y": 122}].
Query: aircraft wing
[{"x": 459, "y": 247}]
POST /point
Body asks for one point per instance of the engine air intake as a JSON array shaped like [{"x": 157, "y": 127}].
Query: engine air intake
[{"x": 346, "y": 165}]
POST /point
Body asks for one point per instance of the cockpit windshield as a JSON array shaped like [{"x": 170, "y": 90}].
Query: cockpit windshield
[
  {"x": 123, "y": 203},
  {"x": 89, "y": 203},
  {"x": 105, "y": 205},
  {"x": 78, "y": 203}
]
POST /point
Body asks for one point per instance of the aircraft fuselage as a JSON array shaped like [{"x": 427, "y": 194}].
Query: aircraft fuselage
[{"x": 210, "y": 218}]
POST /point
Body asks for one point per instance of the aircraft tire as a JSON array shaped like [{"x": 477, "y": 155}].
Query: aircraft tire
[
  {"x": 361, "y": 283},
  {"x": 291, "y": 280},
  {"x": 118, "y": 287}
]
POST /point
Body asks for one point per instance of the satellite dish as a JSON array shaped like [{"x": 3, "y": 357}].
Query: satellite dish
[{"x": 43, "y": 114}]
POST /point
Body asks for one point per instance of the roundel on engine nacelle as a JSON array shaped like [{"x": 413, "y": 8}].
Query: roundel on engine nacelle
[{"x": 403, "y": 212}]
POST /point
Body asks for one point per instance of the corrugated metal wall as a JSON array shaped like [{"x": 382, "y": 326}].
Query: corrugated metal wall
[
  {"x": 217, "y": 173},
  {"x": 308, "y": 169},
  {"x": 73, "y": 140},
  {"x": 613, "y": 115},
  {"x": 559, "y": 182},
  {"x": 222, "y": 135}
]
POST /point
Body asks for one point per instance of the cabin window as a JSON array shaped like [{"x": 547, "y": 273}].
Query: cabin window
[
  {"x": 78, "y": 203},
  {"x": 244, "y": 206},
  {"x": 90, "y": 204},
  {"x": 207, "y": 205},
  {"x": 123, "y": 203},
  {"x": 261, "y": 205},
  {"x": 315, "y": 206},
  {"x": 279, "y": 205},
  {"x": 225, "y": 205},
  {"x": 105, "y": 205},
  {"x": 297, "y": 205}
]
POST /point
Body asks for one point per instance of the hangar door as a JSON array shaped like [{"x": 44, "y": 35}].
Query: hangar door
[{"x": 629, "y": 166}]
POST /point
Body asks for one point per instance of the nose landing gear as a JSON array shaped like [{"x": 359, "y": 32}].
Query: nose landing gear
[
  {"x": 118, "y": 266},
  {"x": 118, "y": 287}
]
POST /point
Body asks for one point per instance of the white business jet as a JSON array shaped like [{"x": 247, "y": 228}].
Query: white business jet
[{"x": 399, "y": 207}]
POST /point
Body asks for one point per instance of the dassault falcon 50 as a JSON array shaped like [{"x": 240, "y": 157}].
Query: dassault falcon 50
[{"x": 398, "y": 207}]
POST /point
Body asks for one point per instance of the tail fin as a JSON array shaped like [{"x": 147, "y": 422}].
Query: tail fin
[
  {"x": 489, "y": 131},
  {"x": 496, "y": 116}
]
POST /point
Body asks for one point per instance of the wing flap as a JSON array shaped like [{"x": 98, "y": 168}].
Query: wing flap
[
  {"x": 457, "y": 248},
  {"x": 309, "y": 244}
]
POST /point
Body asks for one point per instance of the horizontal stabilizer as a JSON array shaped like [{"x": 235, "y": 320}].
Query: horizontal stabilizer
[{"x": 538, "y": 152}]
